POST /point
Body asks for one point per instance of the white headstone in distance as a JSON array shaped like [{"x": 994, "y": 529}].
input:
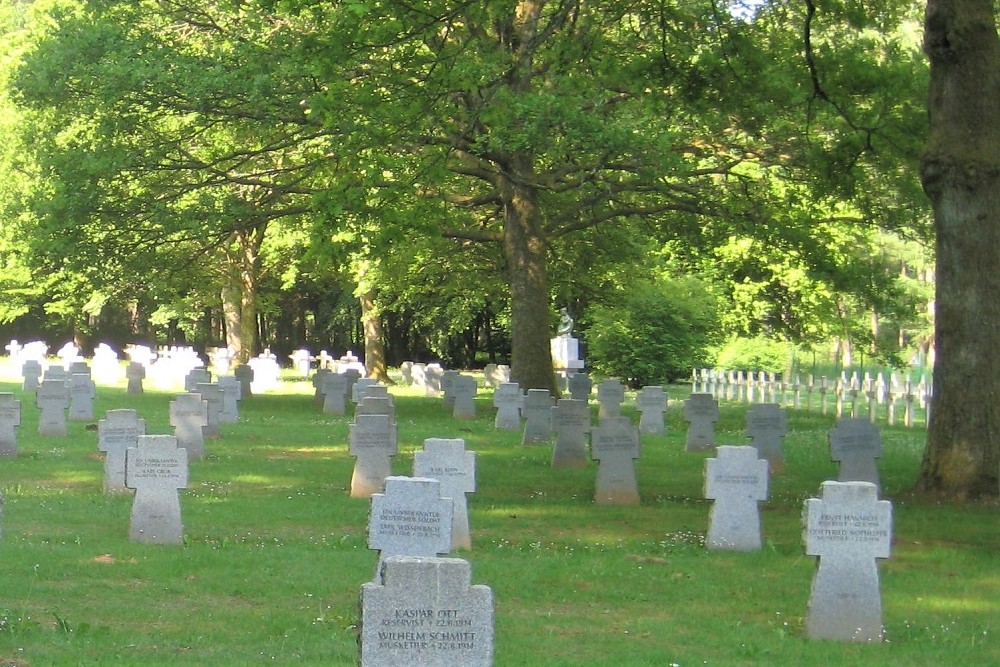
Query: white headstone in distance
[
  {"x": 448, "y": 388},
  {"x": 119, "y": 430},
  {"x": 189, "y": 417},
  {"x": 31, "y": 371},
  {"x": 10, "y": 418},
  {"x": 418, "y": 374},
  {"x": 571, "y": 423},
  {"x": 611, "y": 395},
  {"x": 736, "y": 480},
  {"x": 432, "y": 379},
  {"x": 107, "y": 369},
  {"x": 135, "y": 373},
  {"x": 52, "y": 399},
  {"x": 490, "y": 375},
  {"x": 373, "y": 446},
  {"x": 701, "y": 411},
  {"x": 537, "y": 412},
  {"x": 856, "y": 444},
  {"x": 848, "y": 528},
  {"x": 424, "y": 612},
  {"x": 447, "y": 461},
  {"x": 464, "y": 392},
  {"x": 156, "y": 468},
  {"x": 507, "y": 400},
  {"x": 410, "y": 519},
  {"x": 82, "y": 392},
  {"x": 406, "y": 371},
  {"x": 615, "y": 446},
  {"x": 767, "y": 424},
  {"x": 652, "y": 404}
]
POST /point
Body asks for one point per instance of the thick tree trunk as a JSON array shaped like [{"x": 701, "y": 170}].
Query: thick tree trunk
[
  {"x": 371, "y": 321},
  {"x": 961, "y": 175},
  {"x": 239, "y": 295},
  {"x": 525, "y": 249}
]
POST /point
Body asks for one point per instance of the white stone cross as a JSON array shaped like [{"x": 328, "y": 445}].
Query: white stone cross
[{"x": 156, "y": 468}]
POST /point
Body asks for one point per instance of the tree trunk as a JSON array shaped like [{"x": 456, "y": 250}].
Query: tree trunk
[
  {"x": 961, "y": 175},
  {"x": 239, "y": 295},
  {"x": 525, "y": 249},
  {"x": 374, "y": 344}
]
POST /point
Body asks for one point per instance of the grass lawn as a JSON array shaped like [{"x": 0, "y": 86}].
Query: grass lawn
[{"x": 276, "y": 552}]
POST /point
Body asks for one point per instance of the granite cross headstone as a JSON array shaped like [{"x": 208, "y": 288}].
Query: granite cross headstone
[
  {"x": 136, "y": 373},
  {"x": 334, "y": 393},
  {"x": 571, "y": 423},
  {"x": 701, "y": 411},
  {"x": 767, "y": 424},
  {"x": 537, "y": 411},
  {"x": 652, "y": 403},
  {"x": 82, "y": 392},
  {"x": 856, "y": 444},
  {"x": 409, "y": 519},
  {"x": 373, "y": 446},
  {"x": 507, "y": 400},
  {"x": 231, "y": 397},
  {"x": 10, "y": 418},
  {"x": 189, "y": 417},
  {"x": 611, "y": 395},
  {"x": 615, "y": 446},
  {"x": 848, "y": 528},
  {"x": 463, "y": 388},
  {"x": 736, "y": 480},
  {"x": 156, "y": 468},
  {"x": 119, "y": 430},
  {"x": 579, "y": 385},
  {"x": 212, "y": 393},
  {"x": 447, "y": 461},
  {"x": 31, "y": 371},
  {"x": 52, "y": 399}
]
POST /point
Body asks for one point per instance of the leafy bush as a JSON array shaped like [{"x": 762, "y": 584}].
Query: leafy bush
[
  {"x": 755, "y": 354},
  {"x": 654, "y": 333}
]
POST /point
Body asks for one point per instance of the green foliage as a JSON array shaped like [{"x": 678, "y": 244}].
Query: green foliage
[
  {"x": 755, "y": 354},
  {"x": 654, "y": 332}
]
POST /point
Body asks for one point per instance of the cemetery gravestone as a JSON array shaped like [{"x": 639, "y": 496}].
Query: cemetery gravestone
[
  {"x": 136, "y": 373},
  {"x": 701, "y": 412},
  {"x": 448, "y": 388},
  {"x": 447, "y": 461},
  {"x": 244, "y": 374},
  {"x": 119, "y": 430},
  {"x": 537, "y": 411},
  {"x": 31, "y": 371},
  {"x": 418, "y": 374},
  {"x": 231, "y": 396},
  {"x": 615, "y": 446},
  {"x": 10, "y": 418},
  {"x": 856, "y": 444},
  {"x": 409, "y": 519},
  {"x": 373, "y": 446},
  {"x": 507, "y": 400},
  {"x": 334, "y": 394},
  {"x": 848, "y": 528},
  {"x": 156, "y": 468},
  {"x": 424, "y": 612},
  {"x": 571, "y": 423},
  {"x": 579, "y": 385},
  {"x": 767, "y": 424},
  {"x": 652, "y": 403},
  {"x": 464, "y": 391},
  {"x": 406, "y": 371},
  {"x": 318, "y": 383},
  {"x": 82, "y": 392},
  {"x": 52, "y": 399},
  {"x": 189, "y": 417},
  {"x": 736, "y": 480},
  {"x": 378, "y": 405},
  {"x": 212, "y": 393},
  {"x": 432, "y": 379},
  {"x": 490, "y": 375},
  {"x": 611, "y": 395},
  {"x": 195, "y": 377},
  {"x": 359, "y": 389},
  {"x": 107, "y": 369}
]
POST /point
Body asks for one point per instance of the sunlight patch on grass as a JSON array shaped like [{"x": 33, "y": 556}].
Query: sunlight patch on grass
[
  {"x": 316, "y": 452},
  {"x": 966, "y": 604}
]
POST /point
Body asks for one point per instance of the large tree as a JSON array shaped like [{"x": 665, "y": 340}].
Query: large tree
[{"x": 961, "y": 174}]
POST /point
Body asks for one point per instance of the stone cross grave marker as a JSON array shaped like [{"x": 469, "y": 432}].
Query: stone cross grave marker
[
  {"x": 579, "y": 385},
  {"x": 856, "y": 444},
  {"x": 446, "y": 460},
  {"x": 52, "y": 399},
  {"x": 244, "y": 373},
  {"x": 409, "y": 519},
  {"x": 418, "y": 373},
  {"x": 537, "y": 411},
  {"x": 334, "y": 394},
  {"x": 319, "y": 382},
  {"x": 55, "y": 372},
  {"x": 231, "y": 397},
  {"x": 615, "y": 446},
  {"x": 31, "y": 371},
  {"x": 736, "y": 480},
  {"x": 652, "y": 404},
  {"x": 423, "y": 611},
  {"x": 611, "y": 395},
  {"x": 373, "y": 446},
  {"x": 701, "y": 411},
  {"x": 507, "y": 399},
  {"x": 432, "y": 379},
  {"x": 82, "y": 392},
  {"x": 212, "y": 393},
  {"x": 189, "y": 417},
  {"x": 195, "y": 377},
  {"x": 359, "y": 389},
  {"x": 378, "y": 405},
  {"x": 463, "y": 389},
  {"x": 10, "y": 418},
  {"x": 156, "y": 468},
  {"x": 448, "y": 388},
  {"x": 767, "y": 424},
  {"x": 135, "y": 373},
  {"x": 848, "y": 528},
  {"x": 490, "y": 375},
  {"x": 119, "y": 430},
  {"x": 406, "y": 370},
  {"x": 571, "y": 423}
]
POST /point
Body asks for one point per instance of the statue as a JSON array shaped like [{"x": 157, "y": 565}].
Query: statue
[{"x": 565, "y": 323}]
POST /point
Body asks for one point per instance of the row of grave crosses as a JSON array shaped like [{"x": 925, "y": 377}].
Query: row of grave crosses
[{"x": 853, "y": 395}]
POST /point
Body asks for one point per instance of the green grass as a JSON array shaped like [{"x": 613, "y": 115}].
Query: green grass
[{"x": 276, "y": 551}]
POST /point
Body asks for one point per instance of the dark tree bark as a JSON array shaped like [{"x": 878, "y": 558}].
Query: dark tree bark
[{"x": 961, "y": 175}]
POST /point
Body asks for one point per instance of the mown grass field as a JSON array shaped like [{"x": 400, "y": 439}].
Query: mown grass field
[{"x": 276, "y": 552}]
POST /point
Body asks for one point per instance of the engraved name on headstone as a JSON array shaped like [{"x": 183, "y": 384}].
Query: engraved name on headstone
[
  {"x": 446, "y": 460},
  {"x": 119, "y": 430},
  {"x": 736, "y": 480}
]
